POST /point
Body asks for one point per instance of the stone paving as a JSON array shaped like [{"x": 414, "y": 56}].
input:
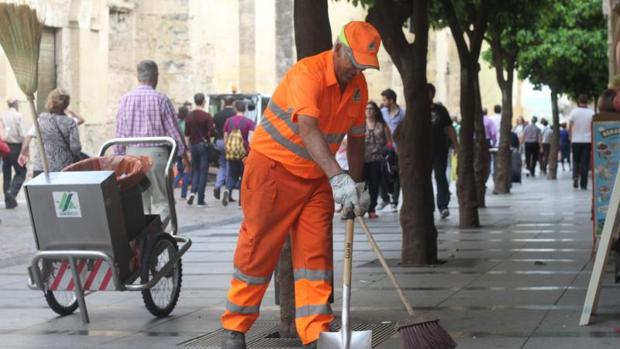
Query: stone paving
[{"x": 517, "y": 282}]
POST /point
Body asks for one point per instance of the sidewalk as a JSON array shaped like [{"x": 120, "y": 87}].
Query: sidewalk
[{"x": 517, "y": 282}]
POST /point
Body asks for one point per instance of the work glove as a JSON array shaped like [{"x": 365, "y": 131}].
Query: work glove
[
  {"x": 345, "y": 191},
  {"x": 364, "y": 199}
]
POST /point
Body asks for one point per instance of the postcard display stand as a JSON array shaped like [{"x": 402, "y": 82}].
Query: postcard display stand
[{"x": 606, "y": 200}]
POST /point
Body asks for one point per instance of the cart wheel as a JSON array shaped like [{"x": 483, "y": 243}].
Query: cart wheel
[
  {"x": 61, "y": 302},
  {"x": 161, "y": 299}
]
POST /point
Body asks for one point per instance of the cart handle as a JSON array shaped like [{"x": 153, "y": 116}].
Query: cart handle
[
  {"x": 35, "y": 272},
  {"x": 173, "y": 152}
]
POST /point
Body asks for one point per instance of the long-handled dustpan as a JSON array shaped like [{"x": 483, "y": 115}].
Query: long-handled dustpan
[{"x": 346, "y": 339}]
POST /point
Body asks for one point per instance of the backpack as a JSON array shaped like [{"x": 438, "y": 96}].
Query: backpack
[{"x": 235, "y": 147}]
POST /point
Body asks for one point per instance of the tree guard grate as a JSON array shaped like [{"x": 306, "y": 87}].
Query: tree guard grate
[{"x": 264, "y": 335}]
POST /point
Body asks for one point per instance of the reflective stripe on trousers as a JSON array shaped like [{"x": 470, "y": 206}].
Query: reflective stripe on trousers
[{"x": 279, "y": 203}]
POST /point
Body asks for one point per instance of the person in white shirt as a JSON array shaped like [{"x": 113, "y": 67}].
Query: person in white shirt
[
  {"x": 580, "y": 131},
  {"x": 13, "y": 136}
]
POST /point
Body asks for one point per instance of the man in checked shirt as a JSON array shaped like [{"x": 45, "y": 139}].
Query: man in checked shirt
[{"x": 145, "y": 112}]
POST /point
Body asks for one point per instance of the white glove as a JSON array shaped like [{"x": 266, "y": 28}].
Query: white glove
[
  {"x": 344, "y": 190},
  {"x": 364, "y": 199}
]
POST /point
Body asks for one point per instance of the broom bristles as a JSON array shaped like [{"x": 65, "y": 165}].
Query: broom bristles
[
  {"x": 20, "y": 38},
  {"x": 426, "y": 335}
]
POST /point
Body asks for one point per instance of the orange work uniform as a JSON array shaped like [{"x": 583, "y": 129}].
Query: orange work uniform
[{"x": 285, "y": 192}]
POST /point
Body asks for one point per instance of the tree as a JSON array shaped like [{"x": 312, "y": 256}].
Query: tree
[
  {"x": 419, "y": 244},
  {"x": 509, "y": 18},
  {"x": 467, "y": 20},
  {"x": 312, "y": 36},
  {"x": 567, "y": 51}
]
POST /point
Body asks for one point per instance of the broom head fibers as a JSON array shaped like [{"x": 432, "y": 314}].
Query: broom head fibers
[
  {"x": 20, "y": 37},
  {"x": 424, "y": 332}
]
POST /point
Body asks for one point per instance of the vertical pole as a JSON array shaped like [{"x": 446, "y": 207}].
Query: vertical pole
[
  {"x": 79, "y": 292},
  {"x": 35, "y": 120}
]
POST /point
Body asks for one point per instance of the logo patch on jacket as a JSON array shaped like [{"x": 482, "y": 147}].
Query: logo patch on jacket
[{"x": 357, "y": 95}]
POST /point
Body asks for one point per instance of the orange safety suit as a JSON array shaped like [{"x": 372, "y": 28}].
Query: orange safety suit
[{"x": 285, "y": 192}]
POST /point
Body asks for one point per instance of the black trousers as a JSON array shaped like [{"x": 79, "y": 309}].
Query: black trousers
[
  {"x": 544, "y": 161},
  {"x": 531, "y": 156},
  {"x": 373, "y": 177},
  {"x": 440, "y": 165},
  {"x": 13, "y": 183},
  {"x": 581, "y": 163}
]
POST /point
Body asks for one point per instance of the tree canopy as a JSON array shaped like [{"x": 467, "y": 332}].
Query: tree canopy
[{"x": 566, "y": 48}]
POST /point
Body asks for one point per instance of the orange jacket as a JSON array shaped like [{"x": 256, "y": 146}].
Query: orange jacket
[{"x": 310, "y": 88}]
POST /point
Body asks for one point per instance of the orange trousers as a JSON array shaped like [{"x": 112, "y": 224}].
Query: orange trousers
[{"x": 277, "y": 203}]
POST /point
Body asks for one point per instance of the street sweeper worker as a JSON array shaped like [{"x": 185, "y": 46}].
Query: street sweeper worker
[{"x": 292, "y": 179}]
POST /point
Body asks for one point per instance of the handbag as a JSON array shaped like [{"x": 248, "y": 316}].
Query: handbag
[
  {"x": 4, "y": 148},
  {"x": 76, "y": 158}
]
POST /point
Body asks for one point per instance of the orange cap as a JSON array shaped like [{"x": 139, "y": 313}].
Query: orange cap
[{"x": 363, "y": 42}]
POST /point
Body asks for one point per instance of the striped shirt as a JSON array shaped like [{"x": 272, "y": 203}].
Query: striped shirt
[{"x": 145, "y": 112}]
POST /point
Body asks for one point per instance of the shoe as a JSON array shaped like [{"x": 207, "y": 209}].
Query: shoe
[
  {"x": 225, "y": 197},
  {"x": 339, "y": 208},
  {"x": 190, "y": 201},
  {"x": 312, "y": 345},
  {"x": 230, "y": 198},
  {"x": 445, "y": 213},
  {"x": 387, "y": 209},
  {"x": 382, "y": 205},
  {"x": 394, "y": 207},
  {"x": 575, "y": 184},
  {"x": 372, "y": 215},
  {"x": 10, "y": 203},
  {"x": 201, "y": 204},
  {"x": 233, "y": 340},
  {"x": 216, "y": 193}
]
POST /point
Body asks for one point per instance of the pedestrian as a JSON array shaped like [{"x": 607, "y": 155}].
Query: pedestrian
[
  {"x": 580, "y": 131},
  {"x": 532, "y": 138},
  {"x": 293, "y": 179},
  {"x": 564, "y": 146},
  {"x": 183, "y": 174},
  {"x": 496, "y": 119},
  {"x": 490, "y": 132},
  {"x": 145, "y": 112},
  {"x": 219, "y": 120},
  {"x": 59, "y": 132},
  {"x": 443, "y": 135},
  {"x": 199, "y": 130},
  {"x": 393, "y": 115},
  {"x": 245, "y": 129},
  {"x": 378, "y": 137},
  {"x": 12, "y": 121},
  {"x": 547, "y": 133}
]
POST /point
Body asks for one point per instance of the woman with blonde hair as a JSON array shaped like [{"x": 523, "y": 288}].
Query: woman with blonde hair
[{"x": 59, "y": 131}]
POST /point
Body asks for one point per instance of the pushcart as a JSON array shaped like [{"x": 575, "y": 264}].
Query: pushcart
[{"x": 101, "y": 242}]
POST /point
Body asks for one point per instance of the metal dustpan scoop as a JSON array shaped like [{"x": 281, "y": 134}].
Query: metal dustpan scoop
[{"x": 345, "y": 338}]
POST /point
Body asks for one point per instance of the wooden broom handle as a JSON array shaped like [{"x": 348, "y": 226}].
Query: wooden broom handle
[
  {"x": 386, "y": 267},
  {"x": 35, "y": 119}
]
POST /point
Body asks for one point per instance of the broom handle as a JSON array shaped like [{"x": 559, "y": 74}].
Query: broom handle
[
  {"x": 35, "y": 119},
  {"x": 386, "y": 267}
]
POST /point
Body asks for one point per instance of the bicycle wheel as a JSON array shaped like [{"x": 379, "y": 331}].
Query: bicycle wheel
[
  {"x": 161, "y": 299},
  {"x": 61, "y": 302}
]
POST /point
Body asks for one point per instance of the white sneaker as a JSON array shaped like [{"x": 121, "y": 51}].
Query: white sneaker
[
  {"x": 387, "y": 209},
  {"x": 445, "y": 213},
  {"x": 382, "y": 205},
  {"x": 225, "y": 194},
  {"x": 393, "y": 208}
]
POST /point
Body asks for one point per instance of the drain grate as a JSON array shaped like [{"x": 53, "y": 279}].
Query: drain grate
[{"x": 264, "y": 335}]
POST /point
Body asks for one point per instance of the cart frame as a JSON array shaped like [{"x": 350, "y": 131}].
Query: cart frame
[{"x": 35, "y": 281}]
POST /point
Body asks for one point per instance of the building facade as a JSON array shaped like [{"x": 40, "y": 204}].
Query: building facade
[{"x": 91, "y": 48}]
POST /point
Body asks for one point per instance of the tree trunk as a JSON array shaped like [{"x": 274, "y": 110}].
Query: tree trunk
[
  {"x": 312, "y": 36},
  {"x": 419, "y": 245},
  {"x": 503, "y": 174},
  {"x": 313, "y": 32},
  {"x": 555, "y": 140},
  {"x": 466, "y": 182},
  {"x": 481, "y": 151}
]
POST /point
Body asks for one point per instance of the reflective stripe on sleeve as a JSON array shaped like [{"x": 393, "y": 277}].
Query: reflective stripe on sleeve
[
  {"x": 307, "y": 310},
  {"x": 234, "y": 308},
  {"x": 283, "y": 141},
  {"x": 250, "y": 280},
  {"x": 312, "y": 275}
]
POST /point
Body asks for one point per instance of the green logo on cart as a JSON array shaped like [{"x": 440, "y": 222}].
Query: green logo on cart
[{"x": 67, "y": 204}]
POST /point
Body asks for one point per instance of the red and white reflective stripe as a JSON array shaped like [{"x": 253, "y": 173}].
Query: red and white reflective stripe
[{"x": 96, "y": 279}]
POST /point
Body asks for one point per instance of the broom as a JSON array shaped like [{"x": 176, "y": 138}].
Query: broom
[
  {"x": 20, "y": 38},
  {"x": 421, "y": 331}
]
